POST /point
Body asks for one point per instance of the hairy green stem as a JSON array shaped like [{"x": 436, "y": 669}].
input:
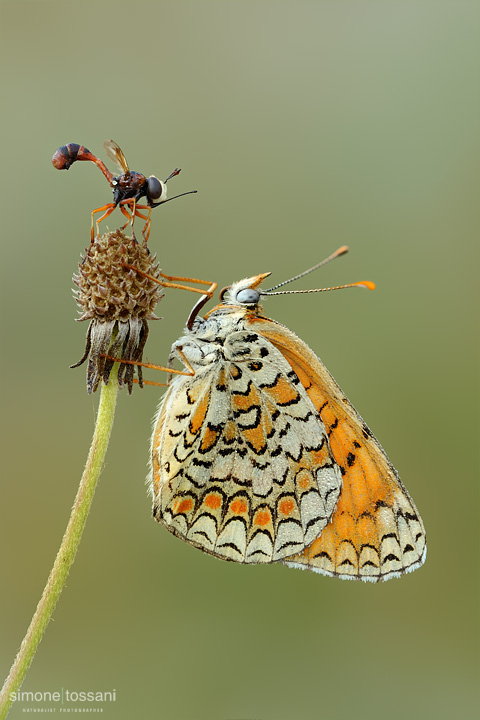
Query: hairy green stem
[{"x": 69, "y": 546}]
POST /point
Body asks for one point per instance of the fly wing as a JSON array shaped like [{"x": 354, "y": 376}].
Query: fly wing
[{"x": 115, "y": 153}]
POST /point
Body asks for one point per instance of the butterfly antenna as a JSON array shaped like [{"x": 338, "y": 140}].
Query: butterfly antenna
[
  {"x": 368, "y": 284},
  {"x": 341, "y": 251}
]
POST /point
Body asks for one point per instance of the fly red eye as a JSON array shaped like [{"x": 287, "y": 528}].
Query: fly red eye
[{"x": 155, "y": 187}]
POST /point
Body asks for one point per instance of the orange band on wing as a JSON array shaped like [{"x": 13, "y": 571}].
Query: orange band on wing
[{"x": 375, "y": 531}]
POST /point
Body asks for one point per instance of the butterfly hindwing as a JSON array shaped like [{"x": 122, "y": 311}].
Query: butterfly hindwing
[{"x": 241, "y": 464}]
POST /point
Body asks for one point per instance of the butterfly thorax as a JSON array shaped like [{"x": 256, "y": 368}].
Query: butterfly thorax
[{"x": 224, "y": 335}]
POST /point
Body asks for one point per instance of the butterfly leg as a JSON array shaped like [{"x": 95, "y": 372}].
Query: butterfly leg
[
  {"x": 206, "y": 294},
  {"x": 168, "y": 282},
  {"x": 169, "y": 369},
  {"x": 109, "y": 209},
  {"x": 172, "y": 282}
]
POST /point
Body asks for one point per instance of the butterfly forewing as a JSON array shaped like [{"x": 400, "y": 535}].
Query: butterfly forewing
[
  {"x": 241, "y": 464},
  {"x": 375, "y": 532}
]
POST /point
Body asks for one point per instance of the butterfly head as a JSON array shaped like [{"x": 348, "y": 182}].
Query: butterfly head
[{"x": 244, "y": 293}]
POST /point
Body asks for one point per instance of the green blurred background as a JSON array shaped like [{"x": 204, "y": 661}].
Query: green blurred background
[{"x": 303, "y": 126}]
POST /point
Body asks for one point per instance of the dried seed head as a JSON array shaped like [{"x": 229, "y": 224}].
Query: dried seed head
[
  {"x": 118, "y": 301},
  {"x": 110, "y": 291}
]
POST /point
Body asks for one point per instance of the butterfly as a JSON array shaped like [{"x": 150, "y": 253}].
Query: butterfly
[{"x": 257, "y": 456}]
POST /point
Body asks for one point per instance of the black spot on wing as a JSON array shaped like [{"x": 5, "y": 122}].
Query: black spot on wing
[
  {"x": 243, "y": 392},
  {"x": 252, "y": 338},
  {"x": 314, "y": 520},
  {"x": 350, "y": 459},
  {"x": 237, "y": 518},
  {"x": 273, "y": 383},
  {"x": 256, "y": 421},
  {"x": 179, "y": 459},
  {"x": 212, "y": 517},
  {"x": 258, "y": 451},
  {"x": 346, "y": 562},
  {"x": 192, "y": 480},
  {"x": 230, "y": 545},
  {"x": 367, "y": 433},
  {"x": 317, "y": 447},
  {"x": 294, "y": 401},
  {"x": 389, "y": 536},
  {"x": 368, "y": 545},
  {"x": 322, "y": 554},
  {"x": 201, "y": 463},
  {"x": 242, "y": 351},
  {"x": 305, "y": 418},
  {"x": 332, "y": 427},
  {"x": 329, "y": 492},
  {"x": 292, "y": 376}
]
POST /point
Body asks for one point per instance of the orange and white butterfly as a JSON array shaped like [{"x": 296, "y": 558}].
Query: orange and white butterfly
[{"x": 258, "y": 457}]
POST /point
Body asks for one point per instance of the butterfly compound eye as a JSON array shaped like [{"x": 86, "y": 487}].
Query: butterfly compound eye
[
  {"x": 154, "y": 186},
  {"x": 249, "y": 296}
]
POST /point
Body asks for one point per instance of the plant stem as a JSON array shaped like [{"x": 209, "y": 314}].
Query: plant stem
[{"x": 69, "y": 546}]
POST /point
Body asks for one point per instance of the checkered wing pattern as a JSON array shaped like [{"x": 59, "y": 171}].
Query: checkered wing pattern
[
  {"x": 376, "y": 532},
  {"x": 241, "y": 463}
]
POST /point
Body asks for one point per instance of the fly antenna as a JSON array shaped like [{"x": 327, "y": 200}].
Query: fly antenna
[
  {"x": 190, "y": 192},
  {"x": 177, "y": 171}
]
